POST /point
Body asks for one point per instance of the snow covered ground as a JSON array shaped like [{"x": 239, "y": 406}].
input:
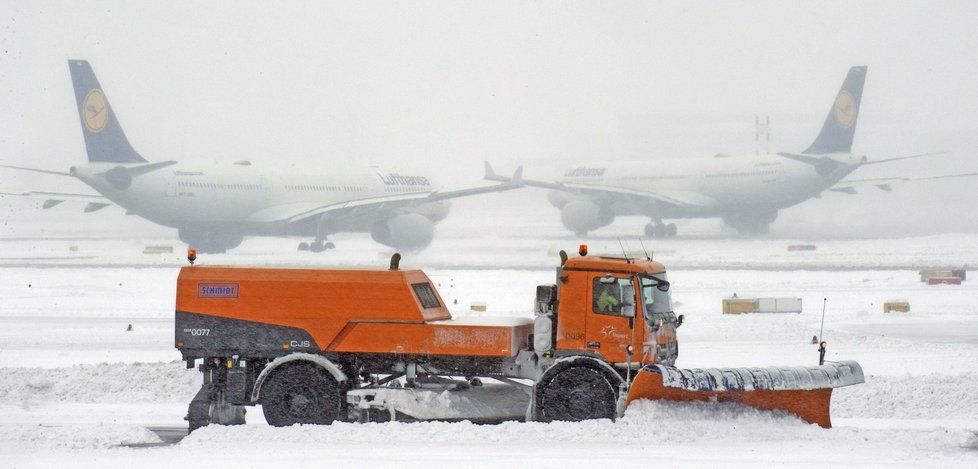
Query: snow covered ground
[{"x": 76, "y": 385}]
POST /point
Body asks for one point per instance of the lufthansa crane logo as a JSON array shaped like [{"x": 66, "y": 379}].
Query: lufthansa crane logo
[
  {"x": 95, "y": 111},
  {"x": 844, "y": 109}
]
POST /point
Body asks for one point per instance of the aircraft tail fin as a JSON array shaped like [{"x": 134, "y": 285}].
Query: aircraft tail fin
[
  {"x": 840, "y": 124},
  {"x": 104, "y": 139}
]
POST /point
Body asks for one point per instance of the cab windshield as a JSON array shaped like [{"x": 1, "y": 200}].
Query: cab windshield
[{"x": 658, "y": 303}]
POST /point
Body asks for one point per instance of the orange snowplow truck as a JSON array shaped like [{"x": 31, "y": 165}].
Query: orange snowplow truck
[{"x": 313, "y": 346}]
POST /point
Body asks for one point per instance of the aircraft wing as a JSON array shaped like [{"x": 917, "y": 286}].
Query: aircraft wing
[
  {"x": 94, "y": 202},
  {"x": 884, "y": 184},
  {"x": 668, "y": 197},
  {"x": 292, "y": 213}
]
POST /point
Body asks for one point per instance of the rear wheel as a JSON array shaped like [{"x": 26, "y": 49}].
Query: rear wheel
[
  {"x": 574, "y": 394},
  {"x": 300, "y": 393}
]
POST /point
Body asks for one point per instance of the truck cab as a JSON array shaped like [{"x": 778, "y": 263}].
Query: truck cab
[{"x": 606, "y": 307}]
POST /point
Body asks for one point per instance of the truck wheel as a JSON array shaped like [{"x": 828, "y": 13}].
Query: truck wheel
[
  {"x": 575, "y": 394},
  {"x": 300, "y": 393}
]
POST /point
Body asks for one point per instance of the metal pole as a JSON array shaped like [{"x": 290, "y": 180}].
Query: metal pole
[{"x": 822, "y": 327}]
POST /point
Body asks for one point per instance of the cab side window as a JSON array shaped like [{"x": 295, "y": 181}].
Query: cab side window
[{"x": 606, "y": 298}]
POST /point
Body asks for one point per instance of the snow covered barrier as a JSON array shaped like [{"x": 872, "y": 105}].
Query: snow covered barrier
[{"x": 102, "y": 383}]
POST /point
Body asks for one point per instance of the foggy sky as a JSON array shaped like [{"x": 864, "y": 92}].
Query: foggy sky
[{"x": 443, "y": 86}]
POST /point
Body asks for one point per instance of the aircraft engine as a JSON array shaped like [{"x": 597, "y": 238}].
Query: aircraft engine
[
  {"x": 408, "y": 232},
  {"x": 212, "y": 240},
  {"x": 434, "y": 211},
  {"x": 559, "y": 198},
  {"x": 583, "y": 215}
]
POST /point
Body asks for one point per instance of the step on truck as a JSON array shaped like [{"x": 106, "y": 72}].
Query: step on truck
[{"x": 314, "y": 346}]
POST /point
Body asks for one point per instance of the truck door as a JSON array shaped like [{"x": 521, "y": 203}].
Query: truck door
[{"x": 606, "y": 329}]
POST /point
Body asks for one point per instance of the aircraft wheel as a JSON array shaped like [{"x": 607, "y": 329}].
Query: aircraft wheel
[
  {"x": 300, "y": 393},
  {"x": 576, "y": 393},
  {"x": 671, "y": 230},
  {"x": 303, "y": 246},
  {"x": 329, "y": 246},
  {"x": 649, "y": 230}
]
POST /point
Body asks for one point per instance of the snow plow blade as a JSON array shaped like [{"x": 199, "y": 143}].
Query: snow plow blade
[{"x": 802, "y": 391}]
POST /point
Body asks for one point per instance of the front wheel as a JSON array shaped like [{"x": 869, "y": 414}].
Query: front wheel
[
  {"x": 300, "y": 393},
  {"x": 574, "y": 394}
]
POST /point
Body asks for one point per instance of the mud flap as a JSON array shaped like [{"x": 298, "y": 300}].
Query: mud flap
[
  {"x": 209, "y": 406},
  {"x": 198, "y": 412},
  {"x": 802, "y": 391}
]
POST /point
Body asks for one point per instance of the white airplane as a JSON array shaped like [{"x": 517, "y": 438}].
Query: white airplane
[
  {"x": 214, "y": 206},
  {"x": 746, "y": 191}
]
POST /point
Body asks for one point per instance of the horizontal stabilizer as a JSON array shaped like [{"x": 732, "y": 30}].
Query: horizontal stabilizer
[
  {"x": 52, "y": 199},
  {"x": 35, "y": 170},
  {"x": 136, "y": 170},
  {"x": 899, "y": 158},
  {"x": 824, "y": 165},
  {"x": 885, "y": 184}
]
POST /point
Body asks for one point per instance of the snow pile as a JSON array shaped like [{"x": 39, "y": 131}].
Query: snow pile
[
  {"x": 644, "y": 423},
  {"x": 46, "y": 438},
  {"x": 933, "y": 396},
  {"x": 103, "y": 383}
]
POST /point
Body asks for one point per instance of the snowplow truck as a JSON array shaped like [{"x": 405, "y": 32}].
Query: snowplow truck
[{"x": 313, "y": 346}]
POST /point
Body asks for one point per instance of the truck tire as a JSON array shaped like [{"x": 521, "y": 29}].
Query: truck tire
[
  {"x": 300, "y": 392},
  {"x": 574, "y": 394}
]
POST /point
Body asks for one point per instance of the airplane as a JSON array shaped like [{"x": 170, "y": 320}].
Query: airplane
[
  {"x": 214, "y": 206},
  {"x": 746, "y": 191}
]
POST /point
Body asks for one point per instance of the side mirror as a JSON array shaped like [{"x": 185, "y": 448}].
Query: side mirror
[{"x": 679, "y": 321}]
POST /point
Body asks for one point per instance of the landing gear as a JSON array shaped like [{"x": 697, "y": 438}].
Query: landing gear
[
  {"x": 320, "y": 244},
  {"x": 661, "y": 230},
  {"x": 316, "y": 246}
]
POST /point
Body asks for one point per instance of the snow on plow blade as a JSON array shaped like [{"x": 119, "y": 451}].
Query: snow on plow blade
[{"x": 803, "y": 391}]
